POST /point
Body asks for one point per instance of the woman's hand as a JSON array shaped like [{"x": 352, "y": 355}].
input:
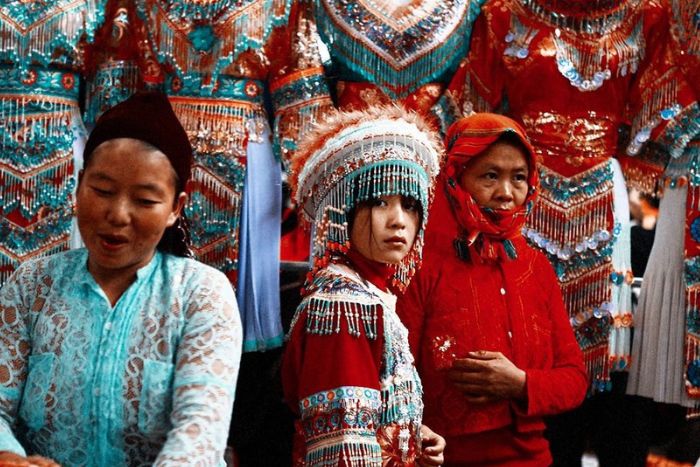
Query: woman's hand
[
  {"x": 487, "y": 377},
  {"x": 10, "y": 459},
  {"x": 432, "y": 445}
]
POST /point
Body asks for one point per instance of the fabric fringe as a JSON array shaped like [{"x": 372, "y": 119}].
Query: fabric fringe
[
  {"x": 573, "y": 224},
  {"x": 681, "y": 131},
  {"x": 660, "y": 104},
  {"x": 220, "y": 125},
  {"x": 36, "y": 173},
  {"x": 377, "y": 53},
  {"x": 395, "y": 399},
  {"x": 11, "y": 260},
  {"x": 292, "y": 124},
  {"x": 598, "y": 368},
  {"x": 113, "y": 83},
  {"x": 361, "y": 451},
  {"x": 323, "y": 317},
  {"x": 588, "y": 62},
  {"x": 35, "y": 37},
  {"x": 214, "y": 210},
  {"x": 621, "y": 301},
  {"x": 213, "y": 46}
]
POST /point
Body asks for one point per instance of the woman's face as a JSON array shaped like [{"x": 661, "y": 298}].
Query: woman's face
[
  {"x": 384, "y": 229},
  {"x": 497, "y": 178},
  {"x": 126, "y": 199}
]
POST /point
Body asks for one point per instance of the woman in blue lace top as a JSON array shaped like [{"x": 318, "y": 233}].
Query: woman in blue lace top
[{"x": 125, "y": 352}]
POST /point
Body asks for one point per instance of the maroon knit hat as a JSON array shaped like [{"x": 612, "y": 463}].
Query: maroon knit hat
[{"x": 146, "y": 116}]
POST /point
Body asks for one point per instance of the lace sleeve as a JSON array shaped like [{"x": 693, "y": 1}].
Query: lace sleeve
[
  {"x": 207, "y": 364},
  {"x": 14, "y": 352}
]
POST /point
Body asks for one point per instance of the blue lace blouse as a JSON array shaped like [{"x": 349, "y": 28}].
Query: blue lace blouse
[{"x": 150, "y": 380}]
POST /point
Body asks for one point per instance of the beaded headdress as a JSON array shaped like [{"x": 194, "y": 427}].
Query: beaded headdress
[{"x": 357, "y": 156}]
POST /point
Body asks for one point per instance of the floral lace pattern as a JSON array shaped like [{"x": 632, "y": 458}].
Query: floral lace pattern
[{"x": 150, "y": 380}]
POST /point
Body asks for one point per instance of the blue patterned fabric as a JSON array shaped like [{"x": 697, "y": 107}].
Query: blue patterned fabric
[{"x": 148, "y": 381}]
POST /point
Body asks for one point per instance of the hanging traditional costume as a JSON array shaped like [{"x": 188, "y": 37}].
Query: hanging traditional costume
[
  {"x": 482, "y": 287},
  {"x": 41, "y": 61},
  {"x": 217, "y": 61},
  {"x": 390, "y": 51},
  {"x": 565, "y": 69},
  {"x": 348, "y": 372},
  {"x": 666, "y": 347}
]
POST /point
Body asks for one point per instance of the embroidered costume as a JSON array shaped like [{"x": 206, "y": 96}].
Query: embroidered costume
[
  {"x": 348, "y": 372},
  {"x": 383, "y": 52},
  {"x": 41, "y": 53},
  {"x": 666, "y": 347},
  {"x": 150, "y": 380},
  {"x": 216, "y": 61},
  {"x": 566, "y": 71},
  {"x": 482, "y": 287}
]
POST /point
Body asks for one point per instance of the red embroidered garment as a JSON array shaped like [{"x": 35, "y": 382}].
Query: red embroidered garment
[
  {"x": 452, "y": 307},
  {"x": 348, "y": 374}
]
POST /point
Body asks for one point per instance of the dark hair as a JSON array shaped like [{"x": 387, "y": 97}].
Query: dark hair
[
  {"x": 176, "y": 238},
  {"x": 512, "y": 138}
]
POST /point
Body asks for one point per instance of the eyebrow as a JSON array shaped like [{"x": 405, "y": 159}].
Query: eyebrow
[
  {"x": 142, "y": 186},
  {"x": 522, "y": 168}
]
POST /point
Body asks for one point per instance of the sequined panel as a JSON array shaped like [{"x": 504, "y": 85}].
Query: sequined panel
[
  {"x": 571, "y": 144},
  {"x": 47, "y": 32},
  {"x": 219, "y": 130},
  {"x": 196, "y": 35},
  {"x": 359, "y": 96},
  {"x": 582, "y": 16},
  {"x": 37, "y": 110},
  {"x": 573, "y": 224},
  {"x": 397, "y": 47}
]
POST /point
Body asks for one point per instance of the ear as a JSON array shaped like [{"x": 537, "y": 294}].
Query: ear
[{"x": 178, "y": 206}]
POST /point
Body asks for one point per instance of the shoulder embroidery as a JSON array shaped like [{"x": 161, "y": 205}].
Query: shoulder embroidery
[{"x": 334, "y": 297}]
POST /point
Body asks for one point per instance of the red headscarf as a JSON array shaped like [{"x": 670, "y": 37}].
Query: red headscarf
[{"x": 484, "y": 234}]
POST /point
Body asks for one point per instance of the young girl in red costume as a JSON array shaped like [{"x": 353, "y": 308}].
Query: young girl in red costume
[{"x": 364, "y": 182}]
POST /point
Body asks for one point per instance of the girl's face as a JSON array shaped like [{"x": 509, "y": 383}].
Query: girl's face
[
  {"x": 497, "y": 178},
  {"x": 126, "y": 199},
  {"x": 384, "y": 229}
]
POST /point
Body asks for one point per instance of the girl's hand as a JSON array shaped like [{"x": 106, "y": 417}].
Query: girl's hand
[{"x": 433, "y": 446}]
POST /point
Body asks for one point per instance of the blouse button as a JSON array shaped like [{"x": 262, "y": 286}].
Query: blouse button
[
  {"x": 503, "y": 291},
  {"x": 108, "y": 326},
  {"x": 96, "y": 392}
]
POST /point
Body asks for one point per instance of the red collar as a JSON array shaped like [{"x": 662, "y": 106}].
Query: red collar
[{"x": 375, "y": 272}]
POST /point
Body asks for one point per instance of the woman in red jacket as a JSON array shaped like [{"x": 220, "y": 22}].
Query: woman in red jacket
[{"x": 485, "y": 315}]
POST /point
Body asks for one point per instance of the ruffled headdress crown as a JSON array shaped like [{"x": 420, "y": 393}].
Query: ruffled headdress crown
[{"x": 357, "y": 156}]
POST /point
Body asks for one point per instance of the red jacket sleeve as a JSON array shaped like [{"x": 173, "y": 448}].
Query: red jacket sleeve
[
  {"x": 331, "y": 379},
  {"x": 562, "y": 387}
]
